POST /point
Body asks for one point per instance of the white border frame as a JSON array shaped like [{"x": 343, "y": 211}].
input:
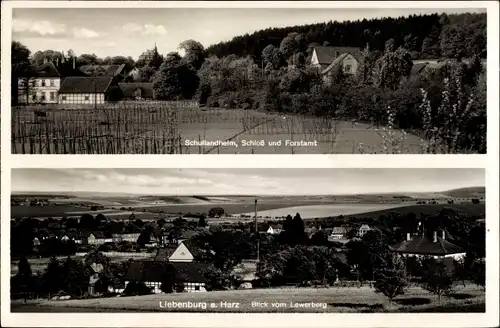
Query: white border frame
[{"x": 490, "y": 162}]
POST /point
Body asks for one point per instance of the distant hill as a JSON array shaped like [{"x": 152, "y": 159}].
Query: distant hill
[
  {"x": 425, "y": 36},
  {"x": 472, "y": 192}
]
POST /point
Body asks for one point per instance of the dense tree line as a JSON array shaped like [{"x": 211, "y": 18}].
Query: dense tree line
[{"x": 425, "y": 36}]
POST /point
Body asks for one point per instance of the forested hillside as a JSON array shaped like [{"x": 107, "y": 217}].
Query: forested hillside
[{"x": 425, "y": 36}]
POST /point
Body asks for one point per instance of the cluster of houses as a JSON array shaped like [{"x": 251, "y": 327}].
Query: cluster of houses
[
  {"x": 60, "y": 82},
  {"x": 337, "y": 234},
  {"x": 55, "y": 82},
  {"x": 329, "y": 59}
]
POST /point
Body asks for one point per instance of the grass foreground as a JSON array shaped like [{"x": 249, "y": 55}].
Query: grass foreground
[{"x": 283, "y": 300}]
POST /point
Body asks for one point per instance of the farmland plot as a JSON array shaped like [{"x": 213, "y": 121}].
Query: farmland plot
[{"x": 182, "y": 128}]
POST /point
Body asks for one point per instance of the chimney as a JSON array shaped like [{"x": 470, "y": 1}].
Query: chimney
[
  {"x": 435, "y": 238},
  {"x": 408, "y": 236},
  {"x": 443, "y": 235}
]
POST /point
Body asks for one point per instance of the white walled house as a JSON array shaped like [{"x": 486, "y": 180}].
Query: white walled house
[
  {"x": 85, "y": 90},
  {"x": 41, "y": 87},
  {"x": 181, "y": 254},
  {"x": 274, "y": 231},
  {"x": 345, "y": 63},
  {"x": 322, "y": 57}
]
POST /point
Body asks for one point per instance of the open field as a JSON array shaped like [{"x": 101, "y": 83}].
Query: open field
[
  {"x": 169, "y": 127},
  {"x": 336, "y": 299},
  {"x": 308, "y": 209}
]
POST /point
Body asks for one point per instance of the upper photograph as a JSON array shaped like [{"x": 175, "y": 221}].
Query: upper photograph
[{"x": 248, "y": 81}]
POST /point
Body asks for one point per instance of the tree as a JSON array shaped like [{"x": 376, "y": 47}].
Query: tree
[
  {"x": 437, "y": 278},
  {"x": 175, "y": 79},
  {"x": 453, "y": 41},
  {"x": 24, "y": 277},
  {"x": 392, "y": 67},
  {"x": 194, "y": 53},
  {"x": 478, "y": 272},
  {"x": 168, "y": 280},
  {"x": 202, "y": 222},
  {"x": 51, "y": 280},
  {"x": 136, "y": 288},
  {"x": 319, "y": 238},
  {"x": 391, "y": 280},
  {"x": 20, "y": 67},
  {"x": 289, "y": 45},
  {"x": 216, "y": 212},
  {"x": 272, "y": 57},
  {"x": 218, "y": 279},
  {"x": 114, "y": 94}
]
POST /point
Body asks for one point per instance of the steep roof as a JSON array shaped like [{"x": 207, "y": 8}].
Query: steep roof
[
  {"x": 154, "y": 271},
  {"x": 425, "y": 246},
  {"x": 109, "y": 70},
  {"x": 74, "y": 84},
  {"x": 418, "y": 68},
  {"x": 365, "y": 227},
  {"x": 128, "y": 89},
  {"x": 164, "y": 253},
  {"x": 97, "y": 234},
  {"x": 326, "y": 55}
]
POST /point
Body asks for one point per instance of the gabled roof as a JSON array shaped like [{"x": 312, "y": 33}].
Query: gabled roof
[
  {"x": 194, "y": 249},
  {"x": 424, "y": 246},
  {"x": 97, "y": 234},
  {"x": 365, "y": 227},
  {"x": 339, "y": 230},
  {"x": 326, "y": 55},
  {"x": 110, "y": 70},
  {"x": 73, "y": 84},
  {"x": 418, "y": 68},
  {"x": 128, "y": 89},
  {"x": 164, "y": 253}
]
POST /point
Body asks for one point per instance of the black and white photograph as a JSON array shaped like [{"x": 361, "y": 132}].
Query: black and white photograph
[
  {"x": 248, "y": 240},
  {"x": 138, "y": 80}
]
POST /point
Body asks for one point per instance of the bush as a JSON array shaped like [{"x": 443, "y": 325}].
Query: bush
[{"x": 136, "y": 288}]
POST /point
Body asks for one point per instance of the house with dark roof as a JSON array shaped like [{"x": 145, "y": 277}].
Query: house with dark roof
[
  {"x": 191, "y": 275},
  {"x": 71, "y": 235},
  {"x": 137, "y": 90},
  {"x": 39, "y": 86},
  {"x": 323, "y": 57},
  {"x": 422, "y": 246},
  {"x": 85, "y": 90}
]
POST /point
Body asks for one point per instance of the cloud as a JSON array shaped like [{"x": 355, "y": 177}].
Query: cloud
[
  {"x": 45, "y": 28},
  {"x": 84, "y": 33},
  {"x": 146, "y": 29},
  {"x": 41, "y": 28}
]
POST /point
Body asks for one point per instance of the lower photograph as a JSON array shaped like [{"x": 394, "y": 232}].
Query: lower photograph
[{"x": 248, "y": 240}]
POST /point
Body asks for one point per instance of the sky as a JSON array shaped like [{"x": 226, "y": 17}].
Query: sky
[
  {"x": 130, "y": 31},
  {"x": 245, "y": 181}
]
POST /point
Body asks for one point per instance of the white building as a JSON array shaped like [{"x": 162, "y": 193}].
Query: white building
[{"x": 40, "y": 88}]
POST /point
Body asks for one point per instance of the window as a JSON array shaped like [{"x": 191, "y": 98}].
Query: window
[
  {"x": 347, "y": 68},
  {"x": 33, "y": 97},
  {"x": 52, "y": 96},
  {"x": 43, "y": 96},
  {"x": 63, "y": 97},
  {"x": 52, "y": 83},
  {"x": 43, "y": 83},
  {"x": 196, "y": 287},
  {"x": 87, "y": 97},
  {"x": 35, "y": 83}
]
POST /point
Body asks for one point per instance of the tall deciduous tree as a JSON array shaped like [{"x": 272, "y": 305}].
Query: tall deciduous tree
[{"x": 391, "y": 280}]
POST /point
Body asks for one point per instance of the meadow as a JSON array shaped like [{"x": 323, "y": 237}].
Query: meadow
[
  {"x": 337, "y": 299},
  {"x": 175, "y": 127}
]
